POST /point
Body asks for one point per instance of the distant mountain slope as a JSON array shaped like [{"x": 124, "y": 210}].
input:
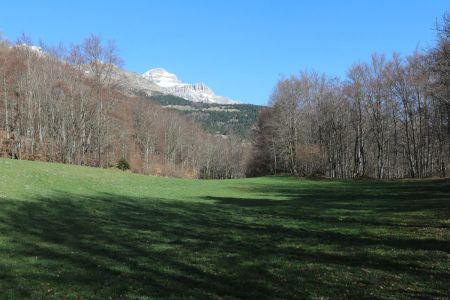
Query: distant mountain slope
[
  {"x": 216, "y": 118},
  {"x": 134, "y": 83},
  {"x": 154, "y": 81},
  {"x": 198, "y": 92}
]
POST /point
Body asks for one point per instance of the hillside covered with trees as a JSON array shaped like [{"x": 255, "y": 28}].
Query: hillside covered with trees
[
  {"x": 388, "y": 119},
  {"x": 63, "y": 106},
  {"x": 229, "y": 119}
]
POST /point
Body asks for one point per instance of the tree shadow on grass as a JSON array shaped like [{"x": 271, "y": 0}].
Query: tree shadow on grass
[
  {"x": 69, "y": 245},
  {"x": 376, "y": 197},
  {"x": 108, "y": 245}
]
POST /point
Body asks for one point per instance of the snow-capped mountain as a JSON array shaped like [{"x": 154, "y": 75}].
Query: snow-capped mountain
[
  {"x": 170, "y": 84},
  {"x": 154, "y": 81},
  {"x": 162, "y": 78}
]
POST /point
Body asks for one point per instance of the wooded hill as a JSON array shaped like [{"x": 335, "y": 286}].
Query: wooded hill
[
  {"x": 390, "y": 118},
  {"x": 237, "y": 119},
  {"x": 64, "y": 106}
]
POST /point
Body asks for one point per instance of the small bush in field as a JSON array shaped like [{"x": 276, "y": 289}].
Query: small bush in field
[{"x": 123, "y": 164}]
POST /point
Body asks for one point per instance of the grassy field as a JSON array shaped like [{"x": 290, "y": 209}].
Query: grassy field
[{"x": 84, "y": 233}]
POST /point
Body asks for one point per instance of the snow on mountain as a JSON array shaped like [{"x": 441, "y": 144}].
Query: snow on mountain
[
  {"x": 162, "y": 78},
  {"x": 170, "y": 84},
  {"x": 154, "y": 81}
]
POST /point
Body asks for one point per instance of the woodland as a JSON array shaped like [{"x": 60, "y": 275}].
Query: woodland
[{"x": 389, "y": 118}]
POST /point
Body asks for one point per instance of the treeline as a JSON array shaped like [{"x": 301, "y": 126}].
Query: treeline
[
  {"x": 388, "y": 119},
  {"x": 63, "y": 106}
]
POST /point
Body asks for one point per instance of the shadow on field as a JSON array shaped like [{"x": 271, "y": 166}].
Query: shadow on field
[{"x": 346, "y": 241}]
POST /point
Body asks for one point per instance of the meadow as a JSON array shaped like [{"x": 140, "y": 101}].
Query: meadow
[{"x": 84, "y": 233}]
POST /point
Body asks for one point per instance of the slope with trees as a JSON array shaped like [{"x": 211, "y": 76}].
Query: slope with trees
[
  {"x": 228, "y": 119},
  {"x": 388, "y": 119},
  {"x": 63, "y": 106}
]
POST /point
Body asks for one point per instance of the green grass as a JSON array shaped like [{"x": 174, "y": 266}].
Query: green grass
[{"x": 75, "y": 232}]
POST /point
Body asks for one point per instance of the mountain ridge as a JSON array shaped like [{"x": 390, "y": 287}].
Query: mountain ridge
[
  {"x": 154, "y": 81},
  {"x": 197, "y": 92}
]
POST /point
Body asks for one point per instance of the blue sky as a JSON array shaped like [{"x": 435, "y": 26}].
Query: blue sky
[{"x": 239, "y": 48}]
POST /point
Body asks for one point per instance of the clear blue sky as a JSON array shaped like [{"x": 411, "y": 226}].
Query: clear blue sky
[{"x": 239, "y": 48}]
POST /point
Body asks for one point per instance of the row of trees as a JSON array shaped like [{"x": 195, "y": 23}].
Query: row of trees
[
  {"x": 388, "y": 119},
  {"x": 65, "y": 106}
]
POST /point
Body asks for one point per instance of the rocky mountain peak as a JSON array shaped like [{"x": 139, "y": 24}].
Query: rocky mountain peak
[
  {"x": 170, "y": 84},
  {"x": 162, "y": 78}
]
